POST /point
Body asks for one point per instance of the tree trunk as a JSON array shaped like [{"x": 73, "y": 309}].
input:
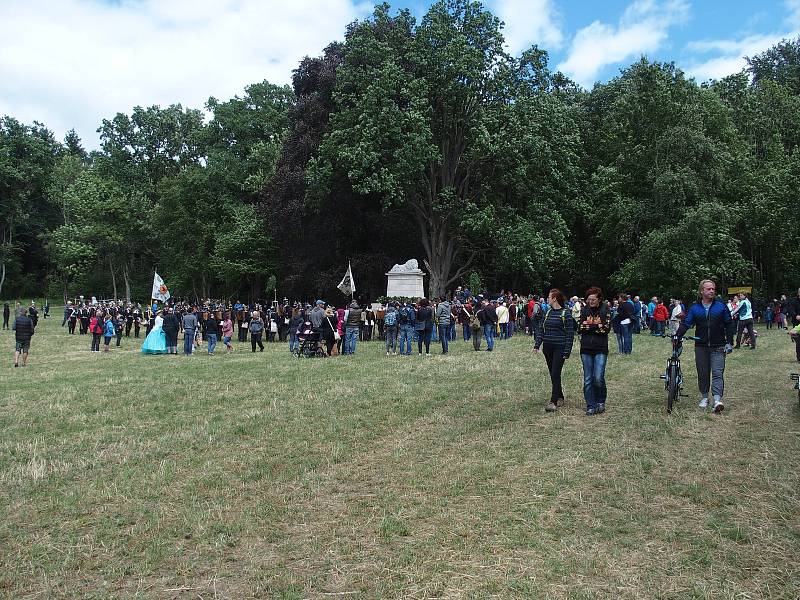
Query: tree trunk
[
  {"x": 127, "y": 281},
  {"x": 2, "y": 277},
  {"x": 113, "y": 278}
]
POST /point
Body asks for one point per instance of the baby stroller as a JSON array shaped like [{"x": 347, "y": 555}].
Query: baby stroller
[{"x": 309, "y": 342}]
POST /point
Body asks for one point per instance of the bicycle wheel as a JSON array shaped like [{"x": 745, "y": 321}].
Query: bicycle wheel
[{"x": 672, "y": 386}]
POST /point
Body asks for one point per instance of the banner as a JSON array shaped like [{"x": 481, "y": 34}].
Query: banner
[
  {"x": 347, "y": 285},
  {"x": 740, "y": 289},
  {"x": 160, "y": 291}
]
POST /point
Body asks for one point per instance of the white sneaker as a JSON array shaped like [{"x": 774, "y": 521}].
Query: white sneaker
[
  {"x": 703, "y": 403},
  {"x": 387, "y": 354},
  {"x": 718, "y": 406}
]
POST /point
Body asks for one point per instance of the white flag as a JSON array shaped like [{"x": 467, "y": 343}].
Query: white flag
[
  {"x": 160, "y": 291},
  {"x": 347, "y": 285}
]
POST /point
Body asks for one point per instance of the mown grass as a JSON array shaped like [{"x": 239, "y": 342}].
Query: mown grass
[{"x": 258, "y": 475}]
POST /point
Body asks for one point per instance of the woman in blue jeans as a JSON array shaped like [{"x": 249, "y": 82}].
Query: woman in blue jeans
[{"x": 593, "y": 327}]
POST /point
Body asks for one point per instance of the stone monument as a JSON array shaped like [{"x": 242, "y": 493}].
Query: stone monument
[{"x": 405, "y": 281}]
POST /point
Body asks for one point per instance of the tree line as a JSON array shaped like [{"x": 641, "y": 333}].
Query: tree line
[{"x": 421, "y": 139}]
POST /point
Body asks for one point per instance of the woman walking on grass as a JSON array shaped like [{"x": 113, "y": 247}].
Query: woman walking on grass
[
  {"x": 227, "y": 332},
  {"x": 594, "y": 324},
  {"x": 554, "y": 334}
]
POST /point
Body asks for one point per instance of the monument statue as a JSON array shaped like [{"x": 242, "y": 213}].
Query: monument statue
[{"x": 410, "y": 266}]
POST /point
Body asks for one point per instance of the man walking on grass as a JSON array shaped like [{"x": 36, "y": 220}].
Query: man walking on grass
[
  {"x": 714, "y": 329},
  {"x": 23, "y": 332}
]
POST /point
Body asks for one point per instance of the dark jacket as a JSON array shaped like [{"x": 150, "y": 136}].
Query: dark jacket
[
  {"x": 23, "y": 328},
  {"x": 715, "y": 328},
  {"x": 423, "y": 318},
  {"x": 793, "y": 310},
  {"x": 170, "y": 323},
  {"x": 212, "y": 327},
  {"x": 593, "y": 327}
]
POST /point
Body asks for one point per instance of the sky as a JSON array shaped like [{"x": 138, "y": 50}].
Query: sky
[{"x": 71, "y": 63}]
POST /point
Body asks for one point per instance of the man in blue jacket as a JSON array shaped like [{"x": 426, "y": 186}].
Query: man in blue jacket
[{"x": 714, "y": 327}]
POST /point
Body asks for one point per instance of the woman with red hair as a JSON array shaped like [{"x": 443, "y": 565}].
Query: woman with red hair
[{"x": 593, "y": 326}]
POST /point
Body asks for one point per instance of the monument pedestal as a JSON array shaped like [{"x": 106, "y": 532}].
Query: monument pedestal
[{"x": 405, "y": 285}]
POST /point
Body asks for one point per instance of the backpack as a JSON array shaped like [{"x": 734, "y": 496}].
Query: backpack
[
  {"x": 390, "y": 320},
  {"x": 403, "y": 316},
  {"x": 474, "y": 321}
]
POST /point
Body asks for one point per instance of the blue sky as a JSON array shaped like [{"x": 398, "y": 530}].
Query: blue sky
[{"x": 72, "y": 63}]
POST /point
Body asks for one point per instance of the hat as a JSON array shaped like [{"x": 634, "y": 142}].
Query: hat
[{"x": 319, "y": 302}]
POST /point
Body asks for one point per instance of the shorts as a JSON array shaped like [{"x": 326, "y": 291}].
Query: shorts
[
  {"x": 107, "y": 340},
  {"x": 23, "y": 346},
  {"x": 226, "y": 339}
]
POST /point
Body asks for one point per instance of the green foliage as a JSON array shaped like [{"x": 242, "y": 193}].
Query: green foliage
[
  {"x": 672, "y": 259},
  {"x": 420, "y": 138}
]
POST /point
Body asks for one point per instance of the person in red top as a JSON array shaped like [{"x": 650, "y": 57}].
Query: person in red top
[
  {"x": 96, "y": 329},
  {"x": 660, "y": 316}
]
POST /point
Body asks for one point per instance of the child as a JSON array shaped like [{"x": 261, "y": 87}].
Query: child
[
  {"x": 108, "y": 332},
  {"x": 768, "y": 316}
]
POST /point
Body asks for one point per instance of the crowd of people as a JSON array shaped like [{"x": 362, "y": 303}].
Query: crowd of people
[{"x": 552, "y": 320}]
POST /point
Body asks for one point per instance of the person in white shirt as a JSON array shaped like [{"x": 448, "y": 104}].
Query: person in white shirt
[{"x": 502, "y": 318}]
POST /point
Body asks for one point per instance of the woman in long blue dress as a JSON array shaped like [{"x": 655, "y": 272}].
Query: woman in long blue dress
[{"x": 156, "y": 341}]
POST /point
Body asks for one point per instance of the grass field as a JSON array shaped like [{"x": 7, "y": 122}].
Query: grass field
[{"x": 264, "y": 476}]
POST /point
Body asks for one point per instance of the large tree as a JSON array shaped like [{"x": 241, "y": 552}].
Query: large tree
[{"x": 420, "y": 124}]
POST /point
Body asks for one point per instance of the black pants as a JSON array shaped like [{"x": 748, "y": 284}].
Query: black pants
[
  {"x": 255, "y": 338},
  {"x": 128, "y": 326},
  {"x": 329, "y": 343},
  {"x": 119, "y": 336},
  {"x": 5, "y": 321},
  {"x": 95, "y": 342},
  {"x": 797, "y": 346},
  {"x": 171, "y": 338},
  {"x": 748, "y": 325},
  {"x": 136, "y": 329},
  {"x": 554, "y": 355},
  {"x": 71, "y": 325},
  {"x": 84, "y": 326},
  {"x": 424, "y": 337}
]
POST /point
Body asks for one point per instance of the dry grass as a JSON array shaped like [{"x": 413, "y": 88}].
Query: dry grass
[{"x": 373, "y": 477}]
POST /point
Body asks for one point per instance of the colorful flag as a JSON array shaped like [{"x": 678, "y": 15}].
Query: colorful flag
[
  {"x": 160, "y": 291},
  {"x": 347, "y": 285}
]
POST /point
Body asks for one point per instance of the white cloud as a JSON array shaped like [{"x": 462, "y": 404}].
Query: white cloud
[
  {"x": 529, "y": 22},
  {"x": 642, "y": 28},
  {"x": 731, "y": 53},
  {"x": 793, "y": 18},
  {"x": 74, "y": 62}
]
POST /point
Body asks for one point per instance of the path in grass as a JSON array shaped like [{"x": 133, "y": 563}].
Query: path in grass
[{"x": 372, "y": 476}]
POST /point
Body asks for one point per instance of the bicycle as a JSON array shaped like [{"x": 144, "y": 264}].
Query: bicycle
[
  {"x": 796, "y": 378},
  {"x": 673, "y": 377}
]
